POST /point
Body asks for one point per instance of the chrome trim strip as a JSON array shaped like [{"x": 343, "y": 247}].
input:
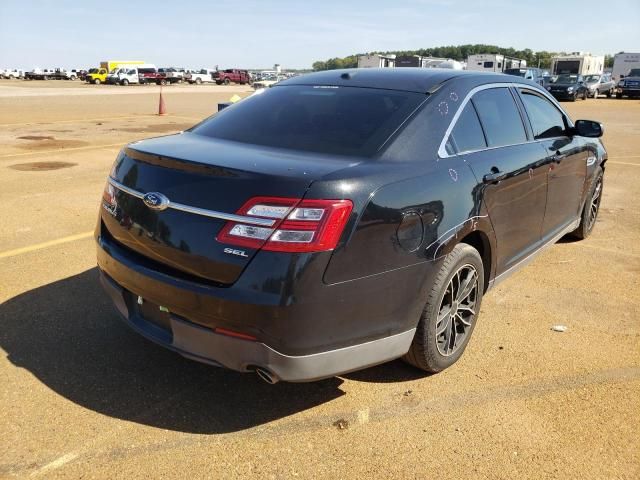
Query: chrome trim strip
[
  {"x": 263, "y": 222},
  {"x": 442, "y": 151}
]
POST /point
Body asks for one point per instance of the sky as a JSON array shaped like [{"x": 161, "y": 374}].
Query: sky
[{"x": 258, "y": 34}]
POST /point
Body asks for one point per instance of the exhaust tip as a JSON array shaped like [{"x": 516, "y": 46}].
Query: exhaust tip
[{"x": 267, "y": 376}]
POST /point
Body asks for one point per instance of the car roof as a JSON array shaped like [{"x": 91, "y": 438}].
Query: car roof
[{"x": 421, "y": 80}]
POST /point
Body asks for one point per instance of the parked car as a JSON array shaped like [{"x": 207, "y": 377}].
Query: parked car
[
  {"x": 344, "y": 218},
  {"x": 568, "y": 87},
  {"x": 201, "y": 76},
  {"x": 529, "y": 73},
  {"x": 232, "y": 75},
  {"x": 629, "y": 86},
  {"x": 267, "y": 81},
  {"x": 600, "y": 84}
]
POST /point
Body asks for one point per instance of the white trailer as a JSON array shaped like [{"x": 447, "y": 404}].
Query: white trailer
[
  {"x": 492, "y": 62},
  {"x": 623, "y": 62},
  {"x": 577, "y": 63},
  {"x": 376, "y": 61}
]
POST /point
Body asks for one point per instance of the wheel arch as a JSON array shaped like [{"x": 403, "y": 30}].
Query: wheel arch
[
  {"x": 480, "y": 241},
  {"x": 477, "y": 232}
]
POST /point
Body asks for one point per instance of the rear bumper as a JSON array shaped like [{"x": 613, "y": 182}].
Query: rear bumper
[
  {"x": 204, "y": 345},
  {"x": 629, "y": 92},
  {"x": 309, "y": 333}
]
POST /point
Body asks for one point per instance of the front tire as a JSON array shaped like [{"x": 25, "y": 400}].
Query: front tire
[
  {"x": 450, "y": 314},
  {"x": 591, "y": 207},
  {"x": 96, "y": 81}
]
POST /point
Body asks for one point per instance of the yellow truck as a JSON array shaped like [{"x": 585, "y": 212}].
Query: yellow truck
[{"x": 99, "y": 75}]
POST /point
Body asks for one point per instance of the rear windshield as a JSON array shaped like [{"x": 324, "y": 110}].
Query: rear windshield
[{"x": 336, "y": 120}]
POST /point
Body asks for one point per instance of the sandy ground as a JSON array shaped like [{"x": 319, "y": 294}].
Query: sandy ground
[{"x": 83, "y": 396}]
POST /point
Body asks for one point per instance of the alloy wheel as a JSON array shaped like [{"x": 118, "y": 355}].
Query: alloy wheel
[
  {"x": 595, "y": 204},
  {"x": 457, "y": 310}
]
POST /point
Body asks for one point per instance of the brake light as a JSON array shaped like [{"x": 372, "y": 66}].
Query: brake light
[
  {"x": 109, "y": 194},
  {"x": 299, "y": 225}
]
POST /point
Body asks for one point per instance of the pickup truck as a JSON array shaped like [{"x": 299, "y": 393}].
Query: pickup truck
[
  {"x": 629, "y": 85},
  {"x": 171, "y": 75},
  {"x": 147, "y": 76},
  {"x": 11, "y": 74},
  {"x": 201, "y": 76},
  {"x": 232, "y": 75},
  {"x": 599, "y": 84},
  {"x": 39, "y": 74}
]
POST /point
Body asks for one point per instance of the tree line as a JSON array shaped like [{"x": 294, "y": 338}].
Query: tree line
[{"x": 540, "y": 59}]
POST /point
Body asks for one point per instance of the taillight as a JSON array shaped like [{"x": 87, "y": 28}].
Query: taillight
[
  {"x": 109, "y": 194},
  {"x": 299, "y": 225}
]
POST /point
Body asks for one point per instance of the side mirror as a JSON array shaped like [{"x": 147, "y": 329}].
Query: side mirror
[{"x": 588, "y": 128}]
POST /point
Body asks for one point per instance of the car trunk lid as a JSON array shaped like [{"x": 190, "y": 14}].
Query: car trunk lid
[{"x": 212, "y": 179}]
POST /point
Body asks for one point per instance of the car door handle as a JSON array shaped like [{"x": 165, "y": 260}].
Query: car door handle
[{"x": 494, "y": 177}]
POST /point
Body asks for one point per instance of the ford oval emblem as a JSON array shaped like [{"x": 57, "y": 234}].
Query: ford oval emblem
[{"x": 155, "y": 201}]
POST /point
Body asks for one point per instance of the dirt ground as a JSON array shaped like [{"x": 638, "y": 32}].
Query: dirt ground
[{"x": 84, "y": 397}]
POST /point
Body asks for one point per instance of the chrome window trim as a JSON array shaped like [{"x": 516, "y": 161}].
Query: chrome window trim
[
  {"x": 442, "y": 151},
  {"x": 263, "y": 222}
]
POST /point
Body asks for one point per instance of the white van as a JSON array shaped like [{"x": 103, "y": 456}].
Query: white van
[{"x": 128, "y": 74}]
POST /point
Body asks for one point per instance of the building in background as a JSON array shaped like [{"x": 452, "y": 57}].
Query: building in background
[{"x": 376, "y": 61}]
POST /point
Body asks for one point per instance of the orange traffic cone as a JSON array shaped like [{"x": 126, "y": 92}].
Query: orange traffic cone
[{"x": 162, "y": 108}]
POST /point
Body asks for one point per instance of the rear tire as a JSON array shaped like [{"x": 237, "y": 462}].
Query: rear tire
[
  {"x": 226, "y": 81},
  {"x": 584, "y": 95},
  {"x": 591, "y": 207},
  {"x": 610, "y": 93},
  {"x": 198, "y": 81},
  {"x": 450, "y": 314},
  {"x": 618, "y": 95},
  {"x": 125, "y": 82},
  {"x": 96, "y": 81}
]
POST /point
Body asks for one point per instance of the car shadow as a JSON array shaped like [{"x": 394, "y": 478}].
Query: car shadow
[
  {"x": 68, "y": 335},
  {"x": 390, "y": 372}
]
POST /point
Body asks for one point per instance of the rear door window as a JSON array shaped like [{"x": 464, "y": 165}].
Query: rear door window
[
  {"x": 546, "y": 120},
  {"x": 467, "y": 134},
  {"x": 499, "y": 116}
]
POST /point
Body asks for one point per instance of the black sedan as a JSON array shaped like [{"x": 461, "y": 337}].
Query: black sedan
[
  {"x": 343, "y": 219},
  {"x": 568, "y": 87}
]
